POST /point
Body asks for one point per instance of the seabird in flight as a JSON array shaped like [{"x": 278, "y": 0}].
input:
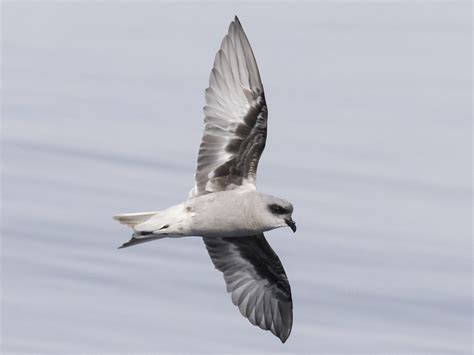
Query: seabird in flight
[{"x": 224, "y": 207}]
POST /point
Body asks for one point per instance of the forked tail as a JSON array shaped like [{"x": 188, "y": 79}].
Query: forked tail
[{"x": 133, "y": 219}]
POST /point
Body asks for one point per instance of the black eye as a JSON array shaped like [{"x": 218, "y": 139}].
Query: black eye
[{"x": 277, "y": 209}]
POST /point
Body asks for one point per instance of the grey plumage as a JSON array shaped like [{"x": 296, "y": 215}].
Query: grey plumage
[
  {"x": 224, "y": 207},
  {"x": 257, "y": 281},
  {"x": 236, "y": 109},
  {"x": 235, "y": 123}
]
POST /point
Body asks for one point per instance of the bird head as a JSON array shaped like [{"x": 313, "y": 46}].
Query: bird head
[{"x": 279, "y": 212}]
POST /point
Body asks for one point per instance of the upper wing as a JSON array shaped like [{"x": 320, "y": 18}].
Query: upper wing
[
  {"x": 235, "y": 123},
  {"x": 256, "y": 278}
]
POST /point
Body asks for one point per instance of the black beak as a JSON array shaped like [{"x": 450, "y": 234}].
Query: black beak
[{"x": 291, "y": 224}]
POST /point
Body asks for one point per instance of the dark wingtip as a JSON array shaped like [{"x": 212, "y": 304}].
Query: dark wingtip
[
  {"x": 284, "y": 336},
  {"x": 237, "y": 21}
]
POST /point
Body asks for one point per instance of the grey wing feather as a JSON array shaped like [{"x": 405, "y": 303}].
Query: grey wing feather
[
  {"x": 235, "y": 123},
  {"x": 257, "y": 281}
]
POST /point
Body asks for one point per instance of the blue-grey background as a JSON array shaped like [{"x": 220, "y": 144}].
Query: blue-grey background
[{"x": 369, "y": 137}]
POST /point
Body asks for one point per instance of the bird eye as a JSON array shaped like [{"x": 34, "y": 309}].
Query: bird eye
[{"x": 277, "y": 209}]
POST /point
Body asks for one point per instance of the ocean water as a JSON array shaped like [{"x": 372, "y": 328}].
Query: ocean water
[{"x": 369, "y": 137}]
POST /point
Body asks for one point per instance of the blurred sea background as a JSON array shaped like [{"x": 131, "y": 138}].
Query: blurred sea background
[{"x": 369, "y": 137}]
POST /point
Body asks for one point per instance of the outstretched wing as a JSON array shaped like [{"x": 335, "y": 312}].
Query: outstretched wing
[
  {"x": 256, "y": 279},
  {"x": 235, "y": 123}
]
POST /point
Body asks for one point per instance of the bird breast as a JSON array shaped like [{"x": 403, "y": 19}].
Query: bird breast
[{"x": 222, "y": 214}]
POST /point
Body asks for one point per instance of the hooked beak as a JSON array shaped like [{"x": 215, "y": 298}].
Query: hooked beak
[{"x": 291, "y": 224}]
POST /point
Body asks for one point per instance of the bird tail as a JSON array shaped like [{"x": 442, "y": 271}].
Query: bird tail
[
  {"x": 134, "y": 220},
  {"x": 141, "y": 237}
]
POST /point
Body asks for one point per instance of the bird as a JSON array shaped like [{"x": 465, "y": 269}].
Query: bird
[{"x": 224, "y": 206}]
